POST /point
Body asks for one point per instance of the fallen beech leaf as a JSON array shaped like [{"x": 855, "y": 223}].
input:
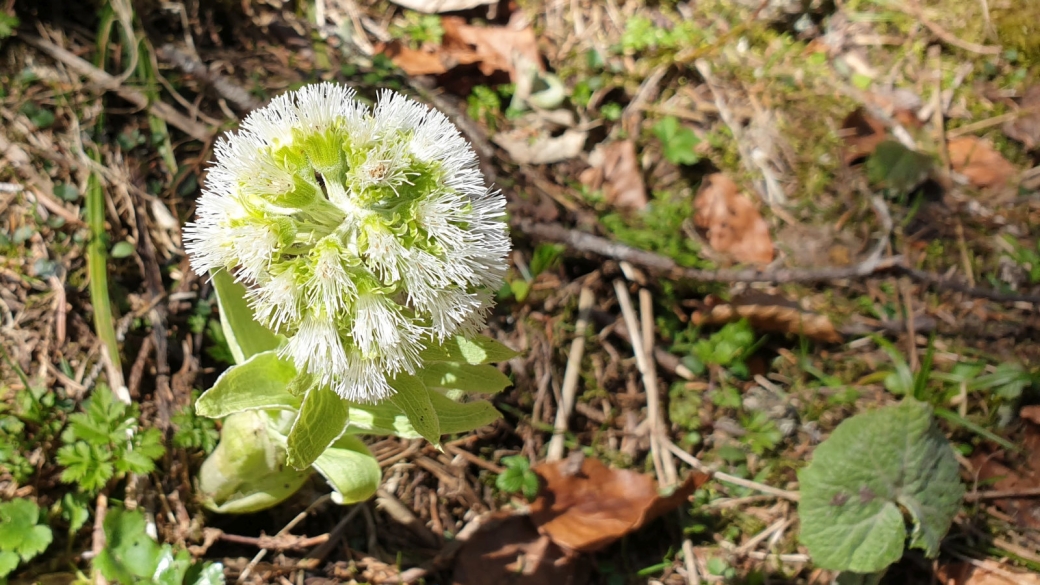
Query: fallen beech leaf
[
  {"x": 1026, "y": 127},
  {"x": 771, "y": 314},
  {"x": 439, "y": 6},
  {"x": 494, "y": 46},
  {"x": 508, "y": 549},
  {"x": 977, "y": 160},
  {"x": 615, "y": 169},
  {"x": 989, "y": 572},
  {"x": 540, "y": 148},
  {"x": 589, "y": 510},
  {"x": 733, "y": 224}
]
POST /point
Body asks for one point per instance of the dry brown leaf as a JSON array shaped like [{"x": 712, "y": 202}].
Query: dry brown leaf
[
  {"x": 507, "y": 549},
  {"x": 989, "y": 573},
  {"x": 861, "y": 133},
  {"x": 977, "y": 160},
  {"x": 416, "y": 61},
  {"x": 439, "y": 6},
  {"x": 615, "y": 169},
  {"x": 1026, "y": 127},
  {"x": 733, "y": 224},
  {"x": 494, "y": 46},
  {"x": 771, "y": 314},
  {"x": 588, "y": 508}
]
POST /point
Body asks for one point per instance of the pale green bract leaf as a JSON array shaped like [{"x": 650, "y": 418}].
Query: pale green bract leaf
[
  {"x": 474, "y": 351},
  {"x": 380, "y": 419},
  {"x": 462, "y": 417},
  {"x": 322, "y": 419},
  {"x": 247, "y": 471},
  {"x": 454, "y": 376},
  {"x": 350, "y": 469},
  {"x": 244, "y": 335},
  {"x": 413, "y": 399},
  {"x": 259, "y": 383},
  {"x": 873, "y": 467}
]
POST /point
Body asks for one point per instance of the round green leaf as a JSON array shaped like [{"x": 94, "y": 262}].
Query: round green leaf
[{"x": 874, "y": 468}]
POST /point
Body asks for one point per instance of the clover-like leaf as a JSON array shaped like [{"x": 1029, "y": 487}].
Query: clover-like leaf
[
  {"x": 875, "y": 469},
  {"x": 261, "y": 382}
]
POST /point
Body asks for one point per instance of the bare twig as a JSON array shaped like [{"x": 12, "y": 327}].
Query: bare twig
[
  {"x": 113, "y": 84},
  {"x": 285, "y": 530},
  {"x": 731, "y": 479},
  {"x": 570, "y": 375},
  {"x": 232, "y": 92}
]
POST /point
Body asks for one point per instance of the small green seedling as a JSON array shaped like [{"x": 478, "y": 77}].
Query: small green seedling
[
  {"x": 677, "y": 140},
  {"x": 22, "y": 536},
  {"x": 104, "y": 442},
  {"x": 518, "y": 477}
]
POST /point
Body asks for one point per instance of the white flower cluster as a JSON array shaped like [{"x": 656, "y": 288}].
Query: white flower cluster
[{"x": 360, "y": 234}]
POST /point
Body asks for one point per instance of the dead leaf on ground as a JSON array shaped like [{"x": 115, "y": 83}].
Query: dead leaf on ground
[
  {"x": 507, "y": 549},
  {"x": 588, "y": 508},
  {"x": 979, "y": 162},
  {"x": 1026, "y": 127},
  {"x": 439, "y": 6},
  {"x": 494, "y": 46},
  {"x": 538, "y": 147},
  {"x": 1009, "y": 471},
  {"x": 769, "y": 313},
  {"x": 615, "y": 169},
  {"x": 862, "y": 132},
  {"x": 989, "y": 573},
  {"x": 733, "y": 224}
]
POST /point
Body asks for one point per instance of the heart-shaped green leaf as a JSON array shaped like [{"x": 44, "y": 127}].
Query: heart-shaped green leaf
[{"x": 258, "y": 383}]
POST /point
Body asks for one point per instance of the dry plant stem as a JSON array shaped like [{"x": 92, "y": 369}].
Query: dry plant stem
[
  {"x": 942, "y": 34},
  {"x": 727, "y": 478},
  {"x": 653, "y": 397},
  {"x": 693, "y": 577},
  {"x": 285, "y": 530},
  {"x": 570, "y": 375},
  {"x": 399, "y": 512},
  {"x": 110, "y": 83},
  {"x": 1000, "y": 494},
  {"x": 238, "y": 96},
  {"x": 629, "y": 313},
  {"x": 97, "y": 536},
  {"x": 773, "y": 194}
]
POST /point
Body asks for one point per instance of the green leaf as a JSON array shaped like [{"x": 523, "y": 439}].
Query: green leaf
[
  {"x": 462, "y": 417},
  {"x": 75, "y": 510},
  {"x": 350, "y": 469},
  {"x": 247, "y": 471},
  {"x": 380, "y": 419},
  {"x": 510, "y": 481},
  {"x": 245, "y": 336},
  {"x": 322, "y": 419},
  {"x": 129, "y": 552},
  {"x": 677, "y": 140},
  {"x": 122, "y": 250},
  {"x": 258, "y": 383},
  {"x": 474, "y": 351},
  {"x": 898, "y": 168},
  {"x": 88, "y": 466},
  {"x": 8, "y": 562},
  {"x": 170, "y": 569},
  {"x": 453, "y": 376},
  {"x": 206, "y": 574},
  {"x": 19, "y": 532},
  {"x": 413, "y": 399},
  {"x": 874, "y": 468}
]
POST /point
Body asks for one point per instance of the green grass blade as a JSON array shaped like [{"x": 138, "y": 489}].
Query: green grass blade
[{"x": 97, "y": 254}]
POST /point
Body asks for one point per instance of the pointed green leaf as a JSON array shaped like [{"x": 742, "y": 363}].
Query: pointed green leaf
[
  {"x": 475, "y": 351},
  {"x": 260, "y": 382},
  {"x": 469, "y": 378},
  {"x": 413, "y": 398},
  {"x": 322, "y": 419},
  {"x": 380, "y": 419},
  {"x": 350, "y": 469},
  {"x": 874, "y": 468},
  {"x": 462, "y": 417},
  {"x": 245, "y": 336}
]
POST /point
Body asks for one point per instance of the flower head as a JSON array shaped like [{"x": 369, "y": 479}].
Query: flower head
[{"x": 361, "y": 234}]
